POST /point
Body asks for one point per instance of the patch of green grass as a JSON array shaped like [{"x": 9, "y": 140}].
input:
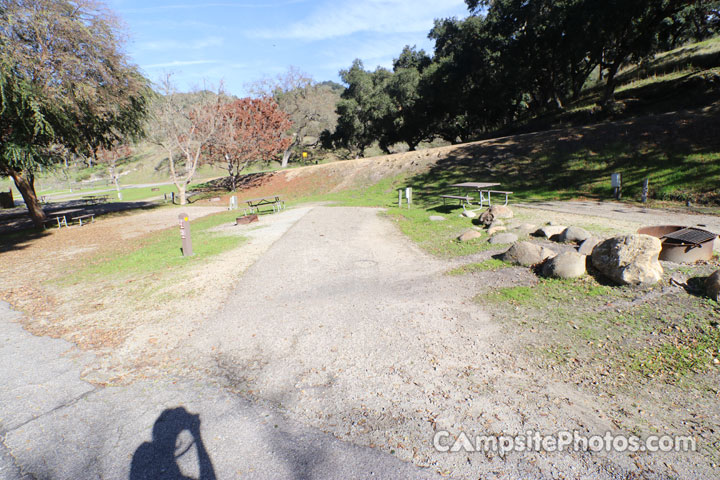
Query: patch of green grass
[
  {"x": 655, "y": 78},
  {"x": 438, "y": 237},
  {"x": 161, "y": 252},
  {"x": 627, "y": 333},
  {"x": 383, "y": 193},
  {"x": 685, "y": 338},
  {"x": 549, "y": 292},
  {"x": 489, "y": 265},
  {"x": 133, "y": 194}
]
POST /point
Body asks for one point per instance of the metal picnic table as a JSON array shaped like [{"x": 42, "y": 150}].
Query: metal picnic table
[
  {"x": 274, "y": 200},
  {"x": 465, "y": 198},
  {"x": 60, "y": 216}
]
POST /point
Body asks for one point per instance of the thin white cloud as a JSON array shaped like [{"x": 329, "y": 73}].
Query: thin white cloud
[
  {"x": 177, "y": 24},
  {"x": 190, "y": 6},
  {"x": 346, "y": 17},
  {"x": 179, "y": 63},
  {"x": 199, "y": 44}
]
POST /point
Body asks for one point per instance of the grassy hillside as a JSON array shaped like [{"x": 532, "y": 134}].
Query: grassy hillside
[
  {"x": 679, "y": 153},
  {"x": 685, "y": 78}
]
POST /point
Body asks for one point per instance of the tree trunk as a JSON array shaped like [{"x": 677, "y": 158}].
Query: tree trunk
[
  {"x": 182, "y": 189},
  {"x": 117, "y": 187},
  {"x": 286, "y": 157},
  {"x": 115, "y": 180},
  {"x": 609, "y": 95},
  {"x": 26, "y": 186}
]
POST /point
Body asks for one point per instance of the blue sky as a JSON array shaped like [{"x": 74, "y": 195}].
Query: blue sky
[{"x": 242, "y": 41}]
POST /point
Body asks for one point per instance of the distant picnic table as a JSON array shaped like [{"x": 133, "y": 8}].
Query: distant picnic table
[
  {"x": 483, "y": 190},
  {"x": 275, "y": 201},
  {"x": 96, "y": 198}
]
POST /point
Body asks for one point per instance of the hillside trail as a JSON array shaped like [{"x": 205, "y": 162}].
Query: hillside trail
[{"x": 346, "y": 326}]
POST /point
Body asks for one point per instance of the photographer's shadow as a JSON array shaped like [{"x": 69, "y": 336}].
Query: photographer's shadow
[{"x": 170, "y": 455}]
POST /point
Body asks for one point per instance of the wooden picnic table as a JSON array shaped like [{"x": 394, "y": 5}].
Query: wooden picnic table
[{"x": 273, "y": 200}]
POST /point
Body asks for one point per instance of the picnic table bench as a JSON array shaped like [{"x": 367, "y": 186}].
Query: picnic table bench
[
  {"x": 503, "y": 192},
  {"x": 275, "y": 201},
  {"x": 464, "y": 199},
  {"x": 64, "y": 219},
  {"x": 80, "y": 218}
]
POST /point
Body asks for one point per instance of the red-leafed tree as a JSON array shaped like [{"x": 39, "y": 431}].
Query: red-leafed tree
[{"x": 250, "y": 130}]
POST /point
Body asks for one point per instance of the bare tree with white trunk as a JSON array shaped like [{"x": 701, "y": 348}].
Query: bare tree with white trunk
[{"x": 183, "y": 128}]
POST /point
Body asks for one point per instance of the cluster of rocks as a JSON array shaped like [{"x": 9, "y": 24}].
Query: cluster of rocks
[
  {"x": 493, "y": 221},
  {"x": 624, "y": 259}
]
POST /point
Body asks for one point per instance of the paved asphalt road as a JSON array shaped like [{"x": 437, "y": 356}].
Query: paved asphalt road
[{"x": 55, "y": 426}]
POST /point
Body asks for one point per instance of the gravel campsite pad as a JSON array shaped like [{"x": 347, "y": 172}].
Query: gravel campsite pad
[{"x": 345, "y": 325}]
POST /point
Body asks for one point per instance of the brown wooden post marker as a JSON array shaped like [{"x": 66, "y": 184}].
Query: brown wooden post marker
[{"x": 185, "y": 235}]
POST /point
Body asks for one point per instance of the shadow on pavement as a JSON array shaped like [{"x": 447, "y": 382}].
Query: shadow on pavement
[{"x": 176, "y": 448}]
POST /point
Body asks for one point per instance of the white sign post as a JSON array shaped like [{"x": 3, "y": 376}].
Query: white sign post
[{"x": 616, "y": 184}]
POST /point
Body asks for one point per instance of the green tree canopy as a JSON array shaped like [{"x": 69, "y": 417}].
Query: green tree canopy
[{"x": 64, "y": 84}]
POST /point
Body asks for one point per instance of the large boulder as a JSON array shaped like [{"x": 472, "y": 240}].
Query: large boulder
[
  {"x": 629, "y": 259},
  {"x": 526, "y": 254},
  {"x": 436, "y": 218},
  {"x": 497, "y": 223},
  {"x": 549, "y": 231},
  {"x": 469, "y": 235},
  {"x": 574, "y": 235},
  {"x": 502, "y": 238},
  {"x": 712, "y": 286},
  {"x": 500, "y": 211},
  {"x": 524, "y": 228},
  {"x": 587, "y": 246},
  {"x": 565, "y": 265}
]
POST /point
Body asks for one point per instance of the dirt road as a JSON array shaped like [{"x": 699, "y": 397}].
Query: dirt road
[{"x": 345, "y": 326}]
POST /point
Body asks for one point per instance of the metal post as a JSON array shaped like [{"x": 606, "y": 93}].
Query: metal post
[
  {"x": 399, "y": 197},
  {"x": 185, "y": 235},
  {"x": 646, "y": 183},
  {"x": 408, "y": 195},
  {"x": 616, "y": 183}
]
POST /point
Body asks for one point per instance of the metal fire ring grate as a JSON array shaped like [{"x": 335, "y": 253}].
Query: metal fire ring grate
[{"x": 690, "y": 235}]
